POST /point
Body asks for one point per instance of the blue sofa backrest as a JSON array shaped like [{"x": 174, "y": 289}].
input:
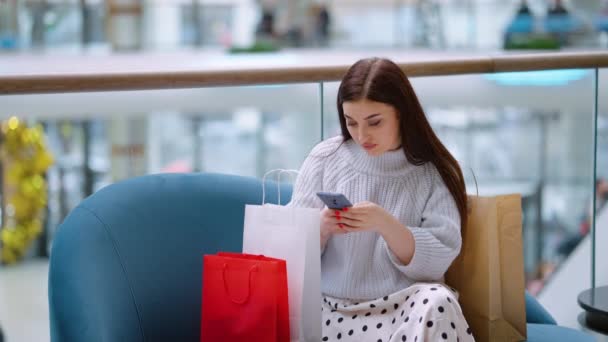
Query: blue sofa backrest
[{"x": 126, "y": 264}]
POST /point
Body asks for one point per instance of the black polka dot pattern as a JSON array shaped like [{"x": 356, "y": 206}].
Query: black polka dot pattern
[{"x": 435, "y": 317}]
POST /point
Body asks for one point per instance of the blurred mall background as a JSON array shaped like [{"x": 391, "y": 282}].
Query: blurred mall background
[{"x": 526, "y": 132}]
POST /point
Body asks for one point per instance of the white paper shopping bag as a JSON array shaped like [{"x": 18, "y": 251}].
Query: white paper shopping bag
[{"x": 291, "y": 234}]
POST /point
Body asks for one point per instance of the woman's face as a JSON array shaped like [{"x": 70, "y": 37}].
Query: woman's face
[{"x": 373, "y": 125}]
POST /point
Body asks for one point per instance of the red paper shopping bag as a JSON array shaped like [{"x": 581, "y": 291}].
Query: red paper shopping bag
[
  {"x": 244, "y": 298},
  {"x": 280, "y": 291}
]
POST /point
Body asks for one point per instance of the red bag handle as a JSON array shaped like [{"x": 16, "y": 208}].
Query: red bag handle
[{"x": 225, "y": 268}]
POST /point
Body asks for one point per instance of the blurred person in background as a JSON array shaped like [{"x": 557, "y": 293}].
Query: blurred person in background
[
  {"x": 322, "y": 25},
  {"x": 522, "y": 24},
  {"x": 562, "y": 25},
  {"x": 570, "y": 240},
  {"x": 265, "y": 28},
  {"x": 557, "y": 8},
  {"x": 601, "y": 198},
  {"x": 523, "y": 8}
]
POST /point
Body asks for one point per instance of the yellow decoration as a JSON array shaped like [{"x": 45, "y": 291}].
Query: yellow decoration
[
  {"x": 13, "y": 122},
  {"x": 25, "y": 159}
]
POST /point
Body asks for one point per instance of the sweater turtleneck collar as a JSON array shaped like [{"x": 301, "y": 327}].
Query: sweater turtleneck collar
[{"x": 388, "y": 163}]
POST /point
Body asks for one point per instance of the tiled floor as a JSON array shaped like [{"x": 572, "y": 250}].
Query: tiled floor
[{"x": 24, "y": 315}]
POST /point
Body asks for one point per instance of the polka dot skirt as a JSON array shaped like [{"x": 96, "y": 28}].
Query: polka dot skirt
[{"x": 423, "y": 312}]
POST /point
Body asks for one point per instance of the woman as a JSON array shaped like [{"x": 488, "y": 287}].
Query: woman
[{"x": 384, "y": 258}]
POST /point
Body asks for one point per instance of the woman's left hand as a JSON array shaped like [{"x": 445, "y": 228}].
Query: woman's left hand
[{"x": 365, "y": 216}]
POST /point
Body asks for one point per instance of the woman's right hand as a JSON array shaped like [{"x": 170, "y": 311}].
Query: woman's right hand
[{"x": 330, "y": 225}]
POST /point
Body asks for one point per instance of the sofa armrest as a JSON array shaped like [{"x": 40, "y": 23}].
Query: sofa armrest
[{"x": 536, "y": 313}]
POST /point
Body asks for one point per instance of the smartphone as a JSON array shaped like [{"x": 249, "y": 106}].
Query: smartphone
[{"x": 334, "y": 200}]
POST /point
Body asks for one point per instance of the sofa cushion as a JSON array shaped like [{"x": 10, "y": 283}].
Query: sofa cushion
[
  {"x": 554, "y": 333},
  {"x": 535, "y": 313}
]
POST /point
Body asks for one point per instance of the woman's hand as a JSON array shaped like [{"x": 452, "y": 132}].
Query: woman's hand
[
  {"x": 330, "y": 224},
  {"x": 366, "y": 216}
]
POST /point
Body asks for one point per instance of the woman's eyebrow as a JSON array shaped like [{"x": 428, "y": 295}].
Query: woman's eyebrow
[{"x": 367, "y": 118}]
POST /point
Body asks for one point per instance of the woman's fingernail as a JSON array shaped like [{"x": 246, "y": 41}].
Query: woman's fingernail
[
  {"x": 345, "y": 209},
  {"x": 337, "y": 213},
  {"x": 338, "y": 218},
  {"x": 340, "y": 225}
]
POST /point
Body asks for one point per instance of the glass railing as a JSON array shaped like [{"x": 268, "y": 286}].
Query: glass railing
[
  {"x": 525, "y": 132},
  {"x": 103, "y": 137},
  {"x": 599, "y": 229},
  {"x": 530, "y": 132}
]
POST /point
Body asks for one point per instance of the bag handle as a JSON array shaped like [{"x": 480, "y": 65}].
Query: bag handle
[
  {"x": 475, "y": 180},
  {"x": 280, "y": 171},
  {"x": 251, "y": 270},
  {"x": 290, "y": 171}
]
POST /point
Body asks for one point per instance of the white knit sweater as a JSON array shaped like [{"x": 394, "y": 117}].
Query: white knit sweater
[{"x": 361, "y": 265}]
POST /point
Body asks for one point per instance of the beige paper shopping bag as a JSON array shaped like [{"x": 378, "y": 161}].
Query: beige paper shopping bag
[{"x": 489, "y": 272}]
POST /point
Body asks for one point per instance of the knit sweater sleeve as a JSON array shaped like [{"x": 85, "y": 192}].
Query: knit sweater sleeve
[{"x": 438, "y": 238}]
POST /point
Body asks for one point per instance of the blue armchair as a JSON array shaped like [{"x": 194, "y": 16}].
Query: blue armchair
[{"x": 126, "y": 264}]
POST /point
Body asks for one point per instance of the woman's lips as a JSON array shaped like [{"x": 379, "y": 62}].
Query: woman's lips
[{"x": 369, "y": 146}]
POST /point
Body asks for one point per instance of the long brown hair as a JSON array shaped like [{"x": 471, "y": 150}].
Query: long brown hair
[{"x": 381, "y": 80}]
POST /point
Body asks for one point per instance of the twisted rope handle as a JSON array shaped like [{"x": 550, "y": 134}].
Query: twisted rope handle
[
  {"x": 280, "y": 171},
  {"x": 290, "y": 171},
  {"x": 251, "y": 270}
]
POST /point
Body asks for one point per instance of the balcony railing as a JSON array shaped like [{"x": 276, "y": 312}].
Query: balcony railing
[{"x": 529, "y": 123}]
